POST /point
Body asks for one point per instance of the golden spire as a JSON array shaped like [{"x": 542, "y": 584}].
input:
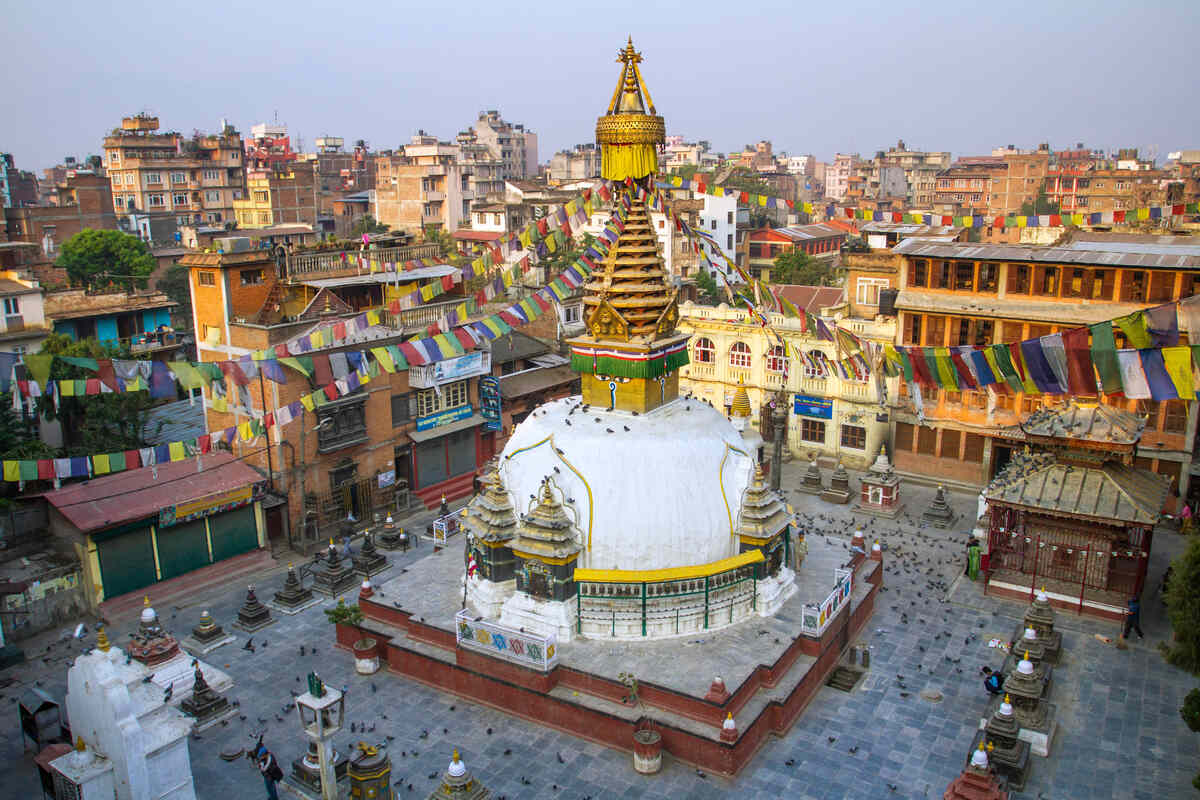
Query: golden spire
[
  {"x": 627, "y": 134},
  {"x": 102, "y": 643},
  {"x": 146, "y": 601},
  {"x": 80, "y": 744},
  {"x": 740, "y": 407},
  {"x": 628, "y": 298}
]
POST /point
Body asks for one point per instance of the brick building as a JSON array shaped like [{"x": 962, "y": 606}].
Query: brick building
[
  {"x": 280, "y": 195},
  {"x": 954, "y": 293},
  {"x": 766, "y": 244},
  {"x": 83, "y": 200}
]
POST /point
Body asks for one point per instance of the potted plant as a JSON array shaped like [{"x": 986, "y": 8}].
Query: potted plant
[
  {"x": 647, "y": 742},
  {"x": 366, "y": 648}
]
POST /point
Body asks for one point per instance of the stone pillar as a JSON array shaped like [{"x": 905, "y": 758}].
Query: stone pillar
[
  {"x": 779, "y": 420},
  {"x": 322, "y": 710}
]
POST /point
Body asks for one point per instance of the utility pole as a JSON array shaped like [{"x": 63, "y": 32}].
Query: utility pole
[{"x": 262, "y": 394}]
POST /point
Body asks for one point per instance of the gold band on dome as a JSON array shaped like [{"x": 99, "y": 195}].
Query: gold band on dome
[{"x": 669, "y": 574}]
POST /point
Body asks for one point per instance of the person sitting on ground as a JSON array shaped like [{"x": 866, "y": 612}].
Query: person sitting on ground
[{"x": 994, "y": 682}]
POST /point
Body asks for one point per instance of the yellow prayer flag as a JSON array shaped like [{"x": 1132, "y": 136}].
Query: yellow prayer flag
[
  {"x": 1178, "y": 361},
  {"x": 245, "y": 432},
  {"x": 100, "y": 464},
  {"x": 12, "y": 471},
  {"x": 178, "y": 453},
  {"x": 219, "y": 403},
  {"x": 384, "y": 358},
  {"x": 373, "y": 317},
  {"x": 762, "y": 199},
  {"x": 307, "y": 401}
]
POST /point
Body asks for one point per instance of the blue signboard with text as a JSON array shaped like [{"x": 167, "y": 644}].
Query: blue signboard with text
[
  {"x": 444, "y": 417},
  {"x": 489, "y": 402},
  {"x": 809, "y": 406}
]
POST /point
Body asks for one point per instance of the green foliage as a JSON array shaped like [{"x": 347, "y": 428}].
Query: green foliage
[
  {"x": 1040, "y": 205},
  {"x": 175, "y": 285},
  {"x": 856, "y": 244},
  {"x": 99, "y": 258},
  {"x": 103, "y": 423},
  {"x": 1183, "y": 608},
  {"x": 746, "y": 180},
  {"x": 367, "y": 224},
  {"x": 796, "y": 268},
  {"x": 17, "y": 440},
  {"x": 686, "y": 171},
  {"x": 710, "y": 293},
  {"x": 344, "y": 614},
  {"x": 1191, "y": 710}
]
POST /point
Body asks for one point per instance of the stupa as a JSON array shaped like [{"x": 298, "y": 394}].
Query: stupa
[
  {"x": 370, "y": 772},
  {"x": 939, "y": 514},
  {"x": 391, "y": 536},
  {"x": 368, "y": 561},
  {"x": 206, "y": 636},
  {"x": 1026, "y": 687},
  {"x": 204, "y": 705},
  {"x": 880, "y": 490},
  {"x": 150, "y": 644},
  {"x": 812, "y": 483},
  {"x": 458, "y": 783},
  {"x": 1040, "y": 617},
  {"x": 293, "y": 597},
  {"x": 332, "y": 575},
  {"x": 978, "y": 781},
  {"x": 739, "y": 416},
  {"x": 839, "y": 486},
  {"x": 170, "y": 667},
  {"x": 253, "y": 615},
  {"x": 763, "y": 526},
  {"x": 1009, "y": 755},
  {"x": 491, "y": 523}
]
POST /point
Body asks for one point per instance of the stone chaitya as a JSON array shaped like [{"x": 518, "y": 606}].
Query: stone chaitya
[
  {"x": 332, "y": 575},
  {"x": 545, "y": 547},
  {"x": 491, "y": 524},
  {"x": 368, "y": 561},
  {"x": 150, "y": 644},
  {"x": 939, "y": 514},
  {"x": 392, "y": 537},
  {"x": 1009, "y": 755},
  {"x": 765, "y": 525},
  {"x": 169, "y": 665},
  {"x": 978, "y": 780},
  {"x": 1025, "y": 688},
  {"x": 253, "y": 615},
  {"x": 813, "y": 482},
  {"x": 880, "y": 494},
  {"x": 839, "y": 486},
  {"x": 458, "y": 783},
  {"x": 206, "y": 636},
  {"x": 1040, "y": 617},
  {"x": 293, "y": 597},
  {"x": 204, "y": 704}
]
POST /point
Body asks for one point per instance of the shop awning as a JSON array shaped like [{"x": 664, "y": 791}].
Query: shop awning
[
  {"x": 536, "y": 380},
  {"x": 444, "y": 430}
]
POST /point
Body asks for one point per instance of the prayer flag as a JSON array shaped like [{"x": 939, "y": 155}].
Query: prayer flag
[
  {"x": 1133, "y": 376},
  {"x": 1161, "y": 387},
  {"x": 1104, "y": 356},
  {"x": 1081, "y": 377},
  {"x": 1178, "y": 363}
]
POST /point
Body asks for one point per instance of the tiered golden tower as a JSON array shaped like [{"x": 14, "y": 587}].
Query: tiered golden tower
[{"x": 631, "y": 353}]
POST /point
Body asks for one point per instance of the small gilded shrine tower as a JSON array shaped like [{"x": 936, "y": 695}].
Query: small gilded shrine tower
[{"x": 630, "y": 356}]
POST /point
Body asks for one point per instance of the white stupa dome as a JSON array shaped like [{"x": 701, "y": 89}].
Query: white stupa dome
[
  {"x": 979, "y": 759},
  {"x": 1030, "y": 634},
  {"x": 658, "y": 495},
  {"x": 457, "y": 768},
  {"x": 1025, "y": 666},
  {"x": 1042, "y": 596},
  {"x": 1006, "y": 708}
]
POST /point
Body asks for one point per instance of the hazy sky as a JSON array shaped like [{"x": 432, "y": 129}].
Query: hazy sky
[{"x": 811, "y": 77}]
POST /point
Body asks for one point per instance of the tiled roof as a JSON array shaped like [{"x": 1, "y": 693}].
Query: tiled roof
[
  {"x": 1090, "y": 423},
  {"x": 812, "y": 298}
]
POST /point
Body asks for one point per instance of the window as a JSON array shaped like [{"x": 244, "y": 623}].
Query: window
[
  {"x": 130, "y": 178},
  {"x": 155, "y": 200},
  {"x": 12, "y": 306},
  {"x": 572, "y": 314},
  {"x": 212, "y": 197},
  {"x": 777, "y": 361},
  {"x": 262, "y": 197},
  {"x": 452, "y": 395},
  {"x": 252, "y": 277},
  {"x": 729, "y": 241},
  {"x": 1018, "y": 279},
  {"x": 964, "y": 276},
  {"x": 919, "y": 274},
  {"x": 404, "y": 408},
  {"x": 205, "y": 279},
  {"x": 1133, "y": 286},
  {"x": 867, "y": 292},
  {"x": 739, "y": 355},
  {"x": 705, "y": 352},
  {"x": 854, "y": 436},
  {"x": 1175, "y": 418},
  {"x": 118, "y": 202},
  {"x": 714, "y": 225},
  {"x": 211, "y": 175},
  {"x": 904, "y": 437},
  {"x": 729, "y": 218},
  {"x": 941, "y": 275},
  {"x": 987, "y": 277},
  {"x": 153, "y": 177},
  {"x": 178, "y": 177},
  {"x": 179, "y": 199},
  {"x": 1047, "y": 284},
  {"x": 912, "y": 328},
  {"x": 950, "y": 441},
  {"x": 812, "y": 430},
  {"x": 114, "y": 157}
]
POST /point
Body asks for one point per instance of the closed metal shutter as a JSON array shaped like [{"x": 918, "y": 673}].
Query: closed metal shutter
[
  {"x": 182, "y": 548},
  {"x": 233, "y": 533},
  {"x": 126, "y": 562}
]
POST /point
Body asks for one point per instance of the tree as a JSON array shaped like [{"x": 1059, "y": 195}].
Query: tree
[
  {"x": 1040, "y": 205},
  {"x": 710, "y": 293},
  {"x": 1183, "y": 608},
  {"x": 176, "y": 285},
  {"x": 796, "y": 268},
  {"x": 1191, "y": 717},
  {"x": 98, "y": 258},
  {"x": 367, "y": 224},
  {"x": 102, "y": 423},
  {"x": 16, "y": 439},
  {"x": 686, "y": 171}
]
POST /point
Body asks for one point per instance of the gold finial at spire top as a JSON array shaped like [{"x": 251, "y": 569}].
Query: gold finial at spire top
[
  {"x": 80, "y": 744},
  {"x": 102, "y": 643},
  {"x": 1026, "y": 655},
  {"x": 1007, "y": 699},
  {"x": 146, "y": 601},
  {"x": 454, "y": 755}
]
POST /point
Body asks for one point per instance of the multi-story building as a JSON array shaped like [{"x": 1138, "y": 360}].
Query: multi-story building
[
  {"x": 17, "y": 187},
  {"x": 424, "y": 188},
  {"x": 485, "y": 172},
  {"x": 829, "y": 417},
  {"x": 268, "y": 147},
  {"x": 340, "y": 171},
  {"x": 83, "y": 200},
  {"x": 819, "y": 240},
  {"x": 573, "y": 165},
  {"x": 139, "y": 320},
  {"x": 1090, "y": 189},
  {"x": 958, "y": 293},
  {"x": 725, "y": 221},
  {"x": 920, "y": 170},
  {"x": 965, "y": 186},
  {"x": 418, "y": 429},
  {"x": 680, "y": 153},
  {"x": 168, "y": 175},
  {"x": 279, "y": 195},
  {"x": 510, "y": 143},
  {"x": 837, "y": 175},
  {"x": 23, "y": 325}
]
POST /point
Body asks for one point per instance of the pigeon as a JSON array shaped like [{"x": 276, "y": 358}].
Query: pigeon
[
  {"x": 831, "y": 739},
  {"x": 301, "y": 650},
  {"x": 701, "y": 775},
  {"x": 374, "y": 688},
  {"x": 167, "y": 694},
  {"x": 249, "y": 645},
  {"x": 561, "y": 760},
  {"x": 791, "y": 762},
  {"x": 610, "y": 430},
  {"x": 148, "y": 678}
]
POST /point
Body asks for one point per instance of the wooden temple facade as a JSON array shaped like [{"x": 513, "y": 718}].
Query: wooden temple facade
[{"x": 1074, "y": 516}]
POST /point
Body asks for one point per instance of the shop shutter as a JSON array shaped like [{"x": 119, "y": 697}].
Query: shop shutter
[
  {"x": 126, "y": 562},
  {"x": 233, "y": 533},
  {"x": 182, "y": 548}
]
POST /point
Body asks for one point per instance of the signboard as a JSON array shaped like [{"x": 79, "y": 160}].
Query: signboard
[
  {"x": 489, "y": 402},
  {"x": 387, "y": 478},
  {"x": 205, "y": 506},
  {"x": 444, "y": 417},
  {"x": 809, "y": 406},
  {"x": 426, "y": 376},
  {"x": 501, "y": 641}
]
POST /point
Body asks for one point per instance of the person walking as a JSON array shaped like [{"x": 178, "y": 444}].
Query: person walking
[
  {"x": 1133, "y": 619},
  {"x": 270, "y": 770}
]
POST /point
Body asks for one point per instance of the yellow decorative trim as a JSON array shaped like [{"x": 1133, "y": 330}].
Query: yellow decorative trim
[
  {"x": 571, "y": 467},
  {"x": 721, "y": 481},
  {"x": 671, "y": 574},
  {"x": 486, "y": 543},
  {"x": 755, "y": 541},
  {"x": 545, "y": 559}
]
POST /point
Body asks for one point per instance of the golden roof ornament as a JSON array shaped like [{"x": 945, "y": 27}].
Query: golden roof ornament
[
  {"x": 628, "y": 136},
  {"x": 741, "y": 401}
]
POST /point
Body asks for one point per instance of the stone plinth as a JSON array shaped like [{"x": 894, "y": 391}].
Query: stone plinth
[
  {"x": 879, "y": 493},
  {"x": 839, "y": 486},
  {"x": 206, "y": 636},
  {"x": 204, "y": 705},
  {"x": 293, "y": 597},
  {"x": 150, "y": 644},
  {"x": 812, "y": 483},
  {"x": 939, "y": 514},
  {"x": 977, "y": 782},
  {"x": 253, "y": 615},
  {"x": 332, "y": 575},
  {"x": 369, "y": 561},
  {"x": 1009, "y": 755},
  {"x": 370, "y": 773},
  {"x": 306, "y": 770}
]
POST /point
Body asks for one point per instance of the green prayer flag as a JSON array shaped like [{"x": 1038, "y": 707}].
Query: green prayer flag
[
  {"x": 1104, "y": 356},
  {"x": 38, "y": 365},
  {"x": 116, "y": 462},
  {"x": 1003, "y": 358},
  {"x": 299, "y": 365},
  {"x": 28, "y": 470},
  {"x": 1135, "y": 330},
  {"x": 85, "y": 363}
]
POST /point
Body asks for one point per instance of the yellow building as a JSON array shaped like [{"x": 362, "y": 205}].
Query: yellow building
[
  {"x": 832, "y": 418},
  {"x": 278, "y": 197}
]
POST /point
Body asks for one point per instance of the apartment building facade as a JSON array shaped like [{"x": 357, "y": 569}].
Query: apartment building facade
[
  {"x": 82, "y": 200},
  {"x": 955, "y": 293},
  {"x": 837, "y": 175},
  {"x": 514, "y": 146},
  {"x": 192, "y": 180},
  {"x": 285, "y": 193}
]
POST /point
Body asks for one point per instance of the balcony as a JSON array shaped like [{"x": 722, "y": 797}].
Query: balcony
[
  {"x": 342, "y": 423},
  {"x": 432, "y": 196},
  {"x": 427, "y": 376},
  {"x": 410, "y": 319},
  {"x": 331, "y": 261}
]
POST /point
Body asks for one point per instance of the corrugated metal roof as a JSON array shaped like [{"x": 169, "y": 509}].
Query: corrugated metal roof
[
  {"x": 1098, "y": 423},
  {"x": 911, "y": 229},
  {"x": 1042, "y": 254},
  {"x": 813, "y": 298},
  {"x": 174, "y": 422},
  {"x": 1154, "y": 248},
  {"x": 806, "y": 232}
]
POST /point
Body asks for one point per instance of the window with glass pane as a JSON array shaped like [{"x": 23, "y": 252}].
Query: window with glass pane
[
  {"x": 739, "y": 355},
  {"x": 776, "y": 360},
  {"x": 706, "y": 353},
  {"x": 812, "y": 430}
]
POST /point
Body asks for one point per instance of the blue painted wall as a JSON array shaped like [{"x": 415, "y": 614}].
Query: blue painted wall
[{"x": 106, "y": 329}]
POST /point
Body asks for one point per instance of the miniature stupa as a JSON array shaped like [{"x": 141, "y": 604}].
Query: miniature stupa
[
  {"x": 652, "y": 484},
  {"x": 150, "y": 644},
  {"x": 492, "y": 523}
]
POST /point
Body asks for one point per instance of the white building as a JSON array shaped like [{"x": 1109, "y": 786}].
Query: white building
[{"x": 23, "y": 325}]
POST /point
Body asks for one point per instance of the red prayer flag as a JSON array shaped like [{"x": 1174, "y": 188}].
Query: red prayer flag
[
  {"x": 947, "y": 220},
  {"x": 45, "y": 469},
  {"x": 1055, "y": 220},
  {"x": 204, "y": 443},
  {"x": 998, "y": 222},
  {"x": 269, "y": 419},
  {"x": 1176, "y": 210},
  {"x": 542, "y": 304},
  {"x": 1118, "y": 216},
  {"x": 133, "y": 459},
  {"x": 331, "y": 391},
  {"x": 1018, "y": 359},
  {"x": 464, "y": 338},
  {"x": 93, "y": 386},
  {"x": 412, "y": 354},
  {"x": 964, "y": 374},
  {"x": 447, "y": 282},
  {"x": 339, "y": 330},
  {"x": 394, "y": 307},
  {"x": 281, "y": 351},
  {"x": 1081, "y": 375}
]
